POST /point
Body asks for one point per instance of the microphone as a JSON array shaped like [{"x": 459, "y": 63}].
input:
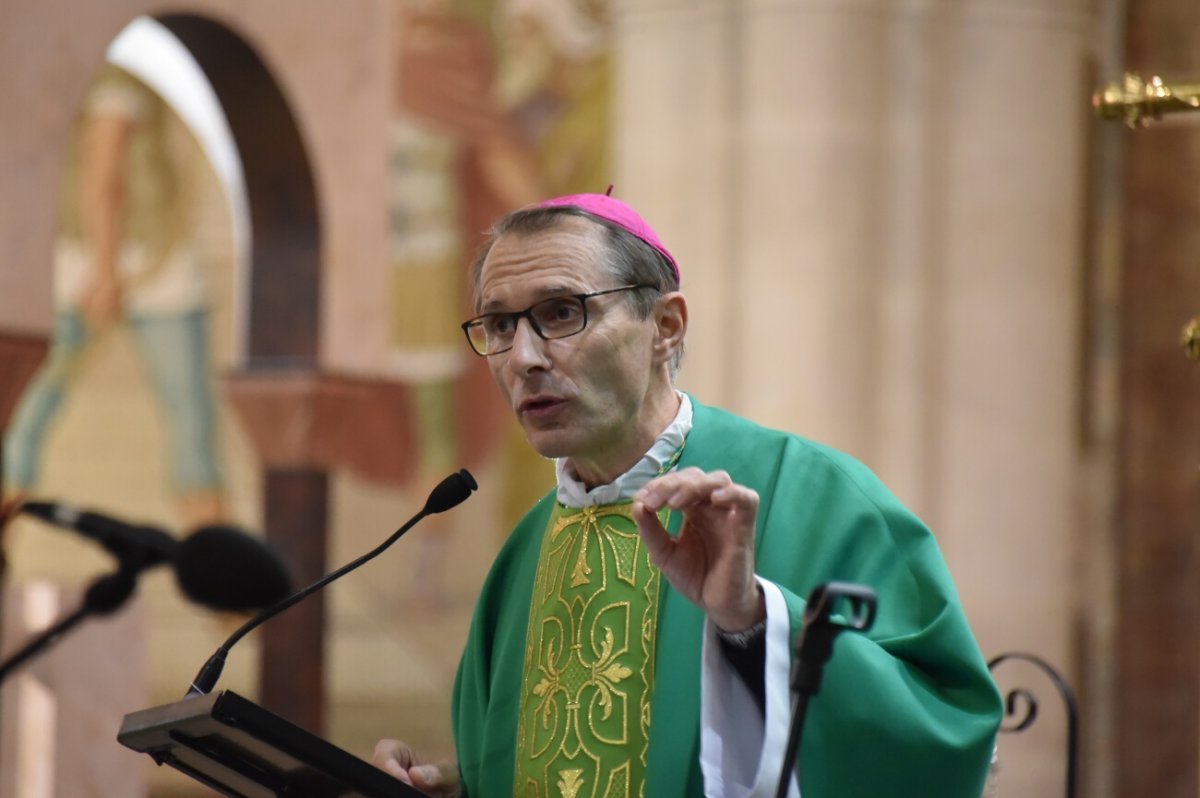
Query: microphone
[
  {"x": 225, "y": 568},
  {"x": 450, "y": 492},
  {"x": 136, "y": 546},
  {"x": 219, "y": 567}
]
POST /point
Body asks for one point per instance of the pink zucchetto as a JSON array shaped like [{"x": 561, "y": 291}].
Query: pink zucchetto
[{"x": 617, "y": 212}]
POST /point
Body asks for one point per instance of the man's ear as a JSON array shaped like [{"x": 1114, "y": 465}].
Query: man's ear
[{"x": 671, "y": 320}]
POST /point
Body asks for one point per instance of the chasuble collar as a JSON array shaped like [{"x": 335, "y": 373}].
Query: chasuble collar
[{"x": 573, "y": 493}]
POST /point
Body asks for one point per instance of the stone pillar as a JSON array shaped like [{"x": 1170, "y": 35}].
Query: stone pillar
[{"x": 296, "y": 507}]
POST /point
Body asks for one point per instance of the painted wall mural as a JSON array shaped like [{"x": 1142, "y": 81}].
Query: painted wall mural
[{"x": 495, "y": 104}]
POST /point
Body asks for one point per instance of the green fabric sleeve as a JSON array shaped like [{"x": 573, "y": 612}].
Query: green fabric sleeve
[
  {"x": 908, "y": 708},
  {"x": 486, "y": 698}
]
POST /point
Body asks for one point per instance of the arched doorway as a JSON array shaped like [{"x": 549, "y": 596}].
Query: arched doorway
[{"x": 281, "y": 304}]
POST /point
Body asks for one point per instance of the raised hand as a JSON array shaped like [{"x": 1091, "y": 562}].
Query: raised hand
[{"x": 711, "y": 561}]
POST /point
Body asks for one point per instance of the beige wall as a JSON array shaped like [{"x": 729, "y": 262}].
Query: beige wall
[{"x": 878, "y": 208}]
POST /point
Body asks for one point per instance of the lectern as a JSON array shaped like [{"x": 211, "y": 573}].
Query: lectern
[{"x": 239, "y": 749}]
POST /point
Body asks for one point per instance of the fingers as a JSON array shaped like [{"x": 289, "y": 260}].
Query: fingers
[
  {"x": 394, "y": 758},
  {"x": 654, "y": 534},
  {"x": 435, "y": 779},
  {"x": 691, "y": 486},
  {"x": 714, "y": 507},
  {"x": 400, "y": 761}
]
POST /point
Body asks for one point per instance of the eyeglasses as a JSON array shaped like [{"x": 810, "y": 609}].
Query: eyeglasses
[{"x": 557, "y": 317}]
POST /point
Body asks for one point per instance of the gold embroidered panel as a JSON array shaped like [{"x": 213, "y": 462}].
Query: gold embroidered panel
[{"x": 589, "y": 659}]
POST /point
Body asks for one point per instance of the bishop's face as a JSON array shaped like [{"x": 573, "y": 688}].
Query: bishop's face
[{"x": 596, "y": 398}]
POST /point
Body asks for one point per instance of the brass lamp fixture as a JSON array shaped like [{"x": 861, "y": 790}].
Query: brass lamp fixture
[
  {"x": 1136, "y": 101},
  {"x": 1191, "y": 339}
]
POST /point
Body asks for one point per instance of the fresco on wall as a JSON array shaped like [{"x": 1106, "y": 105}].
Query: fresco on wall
[
  {"x": 127, "y": 259},
  {"x": 124, "y": 415},
  {"x": 497, "y": 103}
]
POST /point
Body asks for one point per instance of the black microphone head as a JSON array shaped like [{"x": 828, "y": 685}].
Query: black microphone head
[
  {"x": 227, "y": 569},
  {"x": 450, "y": 492}
]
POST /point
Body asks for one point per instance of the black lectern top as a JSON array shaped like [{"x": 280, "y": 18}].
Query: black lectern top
[{"x": 241, "y": 750}]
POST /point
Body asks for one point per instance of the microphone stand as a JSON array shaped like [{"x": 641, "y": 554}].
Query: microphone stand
[
  {"x": 814, "y": 647},
  {"x": 104, "y": 596}
]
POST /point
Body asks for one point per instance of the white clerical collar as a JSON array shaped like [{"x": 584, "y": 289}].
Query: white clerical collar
[{"x": 574, "y": 493}]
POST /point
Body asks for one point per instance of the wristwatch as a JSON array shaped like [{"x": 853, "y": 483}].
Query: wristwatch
[{"x": 746, "y": 637}]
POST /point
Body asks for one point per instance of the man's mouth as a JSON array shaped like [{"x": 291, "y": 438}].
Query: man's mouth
[{"x": 537, "y": 406}]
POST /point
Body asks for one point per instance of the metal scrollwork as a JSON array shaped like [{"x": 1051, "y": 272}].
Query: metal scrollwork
[
  {"x": 1022, "y": 698},
  {"x": 1012, "y": 702}
]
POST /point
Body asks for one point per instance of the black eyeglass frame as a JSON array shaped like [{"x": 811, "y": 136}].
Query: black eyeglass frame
[{"x": 527, "y": 313}]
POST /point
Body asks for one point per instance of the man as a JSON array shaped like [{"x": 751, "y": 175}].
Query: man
[{"x": 633, "y": 636}]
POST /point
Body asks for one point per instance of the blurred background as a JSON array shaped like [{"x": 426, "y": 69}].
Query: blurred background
[{"x": 233, "y": 247}]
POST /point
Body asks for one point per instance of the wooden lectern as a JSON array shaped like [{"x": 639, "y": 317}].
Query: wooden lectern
[{"x": 241, "y": 750}]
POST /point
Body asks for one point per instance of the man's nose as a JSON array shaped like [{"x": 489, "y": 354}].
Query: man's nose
[{"x": 529, "y": 348}]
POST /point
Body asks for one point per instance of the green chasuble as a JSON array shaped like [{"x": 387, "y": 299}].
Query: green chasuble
[{"x": 907, "y": 710}]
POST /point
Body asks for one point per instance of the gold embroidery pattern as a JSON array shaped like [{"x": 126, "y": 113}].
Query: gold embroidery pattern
[{"x": 589, "y": 659}]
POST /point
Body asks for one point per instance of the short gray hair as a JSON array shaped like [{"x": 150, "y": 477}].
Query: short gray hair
[{"x": 628, "y": 259}]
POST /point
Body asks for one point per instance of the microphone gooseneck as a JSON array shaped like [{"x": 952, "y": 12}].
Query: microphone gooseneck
[{"x": 448, "y": 493}]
